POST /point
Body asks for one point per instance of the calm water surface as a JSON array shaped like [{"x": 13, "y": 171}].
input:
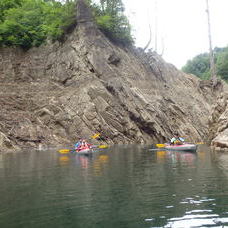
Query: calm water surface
[{"x": 120, "y": 187}]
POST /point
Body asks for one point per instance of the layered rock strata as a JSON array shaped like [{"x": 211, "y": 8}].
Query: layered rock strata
[
  {"x": 59, "y": 92},
  {"x": 218, "y": 124}
]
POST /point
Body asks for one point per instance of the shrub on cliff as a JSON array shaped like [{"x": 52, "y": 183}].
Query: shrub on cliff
[
  {"x": 110, "y": 18},
  {"x": 28, "y": 23}
]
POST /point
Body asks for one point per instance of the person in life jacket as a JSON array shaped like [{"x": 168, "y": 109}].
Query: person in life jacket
[
  {"x": 176, "y": 140},
  {"x": 78, "y": 144},
  {"x": 84, "y": 145}
]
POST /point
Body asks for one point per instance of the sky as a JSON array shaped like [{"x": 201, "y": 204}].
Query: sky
[{"x": 182, "y": 26}]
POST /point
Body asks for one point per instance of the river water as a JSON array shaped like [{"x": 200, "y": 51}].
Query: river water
[{"x": 118, "y": 187}]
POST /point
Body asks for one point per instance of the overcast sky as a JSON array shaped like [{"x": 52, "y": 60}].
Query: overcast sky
[{"x": 182, "y": 30}]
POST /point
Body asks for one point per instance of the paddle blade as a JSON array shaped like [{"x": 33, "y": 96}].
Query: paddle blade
[
  {"x": 160, "y": 145},
  {"x": 103, "y": 146},
  {"x": 64, "y": 151},
  {"x": 96, "y": 136}
]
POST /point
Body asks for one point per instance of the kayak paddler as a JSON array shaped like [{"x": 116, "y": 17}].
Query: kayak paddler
[{"x": 176, "y": 140}]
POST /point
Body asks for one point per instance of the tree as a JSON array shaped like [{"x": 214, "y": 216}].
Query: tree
[
  {"x": 112, "y": 7},
  {"x": 222, "y": 64},
  {"x": 28, "y": 23},
  {"x": 8, "y": 4},
  {"x": 200, "y": 64},
  {"x": 112, "y": 21},
  {"x": 212, "y": 64}
]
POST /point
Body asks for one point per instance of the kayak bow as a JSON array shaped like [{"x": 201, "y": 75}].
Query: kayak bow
[{"x": 84, "y": 151}]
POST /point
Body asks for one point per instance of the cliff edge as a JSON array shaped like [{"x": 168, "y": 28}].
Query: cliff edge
[{"x": 59, "y": 92}]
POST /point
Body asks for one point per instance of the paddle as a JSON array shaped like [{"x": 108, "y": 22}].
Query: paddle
[
  {"x": 99, "y": 146},
  {"x": 160, "y": 145},
  {"x": 96, "y": 136},
  {"x": 65, "y": 151},
  {"x": 103, "y": 146}
]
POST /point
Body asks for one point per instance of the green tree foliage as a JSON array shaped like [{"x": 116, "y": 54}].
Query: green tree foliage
[
  {"x": 200, "y": 65},
  {"x": 112, "y": 21},
  {"x": 28, "y": 23},
  {"x": 222, "y": 64},
  {"x": 8, "y": 4}
]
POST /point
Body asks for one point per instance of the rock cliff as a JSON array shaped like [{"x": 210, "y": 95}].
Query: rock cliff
[
  {"x": 59, "y": 92},
  {"x": 218, "y": 123}
]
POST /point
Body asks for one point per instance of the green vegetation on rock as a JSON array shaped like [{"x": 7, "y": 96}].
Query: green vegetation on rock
[
  {"x": 200, "y": 64},
  {"x": 29, "y": 23},
  {"x": 109, "y": 15}
]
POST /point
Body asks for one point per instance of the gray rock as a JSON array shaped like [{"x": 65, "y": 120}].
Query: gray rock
[
  {"x": 218, "y": 123},
  {"x": 57, "y": 93}
]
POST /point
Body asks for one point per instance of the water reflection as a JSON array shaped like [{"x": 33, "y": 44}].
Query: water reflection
[
  {"x": 1, "y": 160},
  {"x": 192, "y": 217},
  {"x": 83, "y": 160},
  {"x": 222, "y": 160},
  {"x": 175, "y": 157},
  {"x": 202, "y": 155},
  {"x": 124, "y": 187},
  {"x": 63, "y": 160},
  {"x": 99, "y": 163},
  {"x": 198, "y": 218},
  {"x": 161, "y": 155}
]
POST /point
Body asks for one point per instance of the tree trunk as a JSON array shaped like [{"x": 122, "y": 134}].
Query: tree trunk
[
  {"x": 212, "y": 63},
  {"x": 148, "y": 43}
]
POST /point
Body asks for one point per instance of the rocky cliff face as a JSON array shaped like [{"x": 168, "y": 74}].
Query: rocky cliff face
[
  {"x": 59, "y": 92},
  {"x": 218, "y": 123}
]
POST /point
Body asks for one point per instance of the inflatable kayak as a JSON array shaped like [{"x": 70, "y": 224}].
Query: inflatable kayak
[
  {"x": 184, "y": 147},
  {"x": 84, "y": 151}
]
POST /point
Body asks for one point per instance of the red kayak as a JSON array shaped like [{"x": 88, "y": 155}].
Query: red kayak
[
  {"x": 183, "y": 147},
  {"x": 86, "y": 150}
]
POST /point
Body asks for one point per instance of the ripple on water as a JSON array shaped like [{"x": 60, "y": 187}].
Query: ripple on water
[
  {"x": 191, "y": 222},
  {"x": 196, "y": 218},
  {"x": 124, "y": 188}
]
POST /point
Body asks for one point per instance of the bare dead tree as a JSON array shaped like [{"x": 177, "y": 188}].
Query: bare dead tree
[
  {"x": 155, "y": 33},
  {"x": 163, "y": 47},
  {"x": 156, "y": 27},
  {"x": 211, "y": 53},
  {"x": 150, "y": 37}
]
